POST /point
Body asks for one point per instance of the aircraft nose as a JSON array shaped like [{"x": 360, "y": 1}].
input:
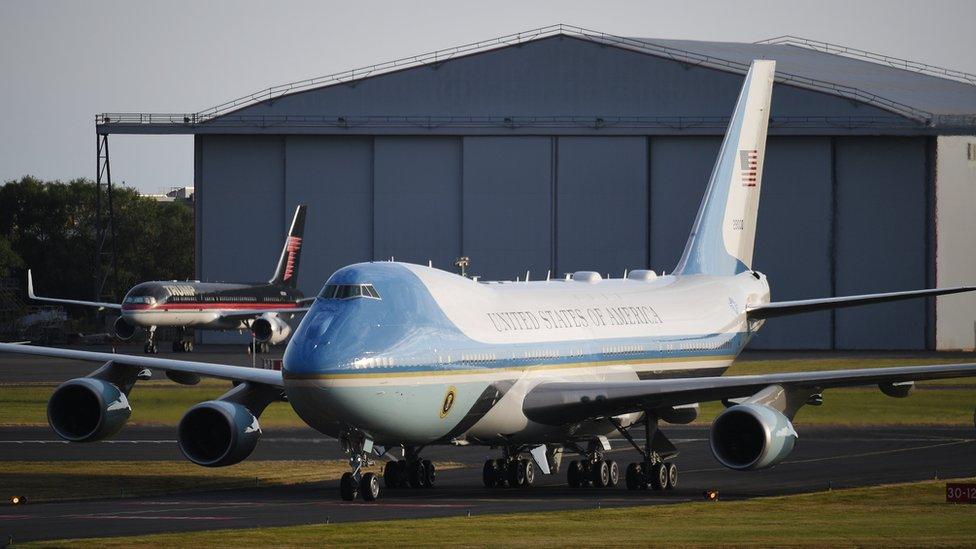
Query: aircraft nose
[{"x": 309, "y": 348}]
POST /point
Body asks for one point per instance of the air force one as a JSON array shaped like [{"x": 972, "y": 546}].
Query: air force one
[
  {"x": 394, "y": 357},
  {"x": 261, "y": 307}
]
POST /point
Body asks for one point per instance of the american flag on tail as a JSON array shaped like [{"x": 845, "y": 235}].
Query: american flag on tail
[{"x": 749, "y": 166}]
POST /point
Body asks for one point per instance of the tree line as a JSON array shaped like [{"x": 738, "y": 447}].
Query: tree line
[{"x": 50, "y": 226}]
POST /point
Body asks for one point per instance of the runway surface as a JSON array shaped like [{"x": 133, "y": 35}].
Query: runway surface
[{"x": 824, "y": 458}]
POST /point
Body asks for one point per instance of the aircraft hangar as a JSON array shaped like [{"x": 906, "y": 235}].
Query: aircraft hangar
[{"x": 564, "y": 149}]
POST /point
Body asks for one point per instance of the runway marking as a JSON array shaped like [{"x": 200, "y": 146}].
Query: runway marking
[{"x": 128, "y": 517}]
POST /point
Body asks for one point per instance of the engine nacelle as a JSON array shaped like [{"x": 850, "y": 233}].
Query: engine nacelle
[
  {"x": 123, "y": 330},
  {"x": 751, "y": 436},
  {"x": 270, "y": 328},
  {"x": 218, "y": 433},
  {"x": 87, "y": 409}
]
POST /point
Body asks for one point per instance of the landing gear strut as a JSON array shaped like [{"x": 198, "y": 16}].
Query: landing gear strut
[
  {"x": 410, "y": 472},
  {"x": 653, "y": 471},
  {"x": 181, "y": 344},
  {"x": 511, "y": 470},
  {"x": 356, "y": 483},
  {"x": 150, "y": 347}
]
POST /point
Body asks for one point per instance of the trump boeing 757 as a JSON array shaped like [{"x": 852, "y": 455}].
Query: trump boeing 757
[{"x": 394, "y": 357}]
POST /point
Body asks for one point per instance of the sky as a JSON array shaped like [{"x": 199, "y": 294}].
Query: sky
[{"x": 62, "y": 62}]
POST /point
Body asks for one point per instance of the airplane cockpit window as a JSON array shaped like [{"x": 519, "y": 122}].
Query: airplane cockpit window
[
  {"x": 141, "y": 299},
  {"x": 348, "y": 291}
]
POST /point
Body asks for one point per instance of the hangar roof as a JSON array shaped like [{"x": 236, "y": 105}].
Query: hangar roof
[
  {"x": 909, "y": 83},
  {"x": 914, "y": 98}
]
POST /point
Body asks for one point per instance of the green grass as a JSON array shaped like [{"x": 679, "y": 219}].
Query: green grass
[
  {"x": 905, "y": 515},
  {"x": 73, "y": 480},
  {"x": 947, "y": 402}
]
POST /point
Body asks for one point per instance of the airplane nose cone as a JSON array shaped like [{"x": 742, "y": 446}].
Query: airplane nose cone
[{"x": 308, "y": 350}]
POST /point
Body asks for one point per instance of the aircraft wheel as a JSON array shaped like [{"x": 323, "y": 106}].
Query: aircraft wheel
[
  {"x": 416, "y": 474},
  {"x": 516, "y": 475},
  {"x": 600, "y": 473},
  {"x": 634, "y": 477},
  {"x": 370, "y": 487},
  {"x": 672, "y": 476},
  {"x": 528, "y": 472},
  {"x": 489, "y": 474},
  {"x": 659, "y": 476},
  {"x": 501, "y": 473},
  {"x": 348, "y": 487},
  {"x": 614, "y": 478},
  {"x": 188, "y": 346},
  {"x": 574, "y": 474},
  {"x": 391, "y": 475},
  {"x": 403, "y": 474},
  {"x": 430, "y": 474}
]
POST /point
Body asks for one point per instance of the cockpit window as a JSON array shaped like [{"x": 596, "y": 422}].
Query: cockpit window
[
  {"x": 348, "y": 291},
  {"x": 141, "y": 299}
]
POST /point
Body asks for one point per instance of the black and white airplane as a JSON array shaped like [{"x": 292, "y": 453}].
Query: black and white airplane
[{"x": 261, "y": 307}]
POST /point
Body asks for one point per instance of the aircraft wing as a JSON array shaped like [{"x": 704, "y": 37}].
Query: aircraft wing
[
  {"x": 30, "y": 294},
  {"x": 558, "y": 403},
  {"x": 784, "y": 308},
  {"x": 253, "y": 313},
  {"x": 205, "y": 369}
]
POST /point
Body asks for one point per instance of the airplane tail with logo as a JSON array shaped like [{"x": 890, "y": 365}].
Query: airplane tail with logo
[
  {"x": 722, "y": 238},
  {"x": 287, "y": 272}
]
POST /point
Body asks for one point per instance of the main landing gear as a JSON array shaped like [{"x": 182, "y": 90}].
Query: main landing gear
[
  {"x": 654, "y": 471},
  {"x": 257, "y": 347},
  {"x": 181, "y": 344},
  {"x": 511, "y": 470},
  {"x": 410, "y": 472},
  {"x": 150, "y": 347}
]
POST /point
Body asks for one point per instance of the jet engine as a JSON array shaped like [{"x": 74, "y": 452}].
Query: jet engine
[
  {"x": 270, "y": 328},
  {"x": 123, "y": 330},
  {"x": 751, "y": 436},
  {"x": 87, "y": 409},
  {"x": 218, "y": 433}
]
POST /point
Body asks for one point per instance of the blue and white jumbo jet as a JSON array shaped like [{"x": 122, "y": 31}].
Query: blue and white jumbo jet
[{"x": 399, "y": 356}]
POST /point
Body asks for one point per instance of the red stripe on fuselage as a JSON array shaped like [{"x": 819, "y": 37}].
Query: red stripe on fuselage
[{"x": 205, "y": 306}]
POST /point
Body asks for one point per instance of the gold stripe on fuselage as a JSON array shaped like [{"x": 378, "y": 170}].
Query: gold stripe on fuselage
[{"x": 488, "y": 370}]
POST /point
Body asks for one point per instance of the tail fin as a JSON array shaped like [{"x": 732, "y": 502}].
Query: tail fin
[
  {"x": 722, "y": 239},
  {"x": 287, "y": 272}
]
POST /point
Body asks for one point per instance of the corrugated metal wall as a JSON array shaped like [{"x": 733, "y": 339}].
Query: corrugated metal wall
[{"x": 570, "y": 203}]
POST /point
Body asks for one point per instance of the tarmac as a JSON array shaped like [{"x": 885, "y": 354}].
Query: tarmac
[{"x": 824, "y": 459}]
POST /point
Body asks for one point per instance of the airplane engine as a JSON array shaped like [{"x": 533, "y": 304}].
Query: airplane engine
[
  {"x": 751, "y": 436},
  {"x": 217, "y": 433},
  {"x": 270, "y": 328},
  {"x": 87, "y": 409},
  {"x": 123, "y": 330}
]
